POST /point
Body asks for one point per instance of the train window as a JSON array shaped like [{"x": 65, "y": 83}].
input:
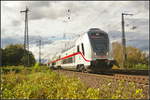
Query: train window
[
  {"x": 63, "y": 61},
  {"x": 82, "y": 48},
  {"x": 54, "y": 63},
  {"x": 68, "y": 60},
  {"x": 78, "y": 49}
]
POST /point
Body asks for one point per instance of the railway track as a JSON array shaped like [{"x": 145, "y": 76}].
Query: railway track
[
  {"x": 137, "y": 76},
  {"x": 128, "y": 72},
  {"x": 133, "y": 78}
]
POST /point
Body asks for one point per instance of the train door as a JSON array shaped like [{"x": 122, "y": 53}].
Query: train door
[
  {"x": 77, "y": 57},
  {"x": 83, "y": 52}
]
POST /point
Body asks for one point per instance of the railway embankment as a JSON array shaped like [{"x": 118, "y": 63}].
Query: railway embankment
[{"x": 112, "y": 82}]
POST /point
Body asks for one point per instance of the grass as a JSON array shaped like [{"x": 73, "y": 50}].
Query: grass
[
  {"x": 134, "y": 67},
  {"x": 41, "y": 82}
]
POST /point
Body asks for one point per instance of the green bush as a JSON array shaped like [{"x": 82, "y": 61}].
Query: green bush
[
  {"x": 16, "y": 69},
  {"x": 137, "y": 66},
  {"x": 141, "y": 66},
  {"x": 15, "y": 55}
]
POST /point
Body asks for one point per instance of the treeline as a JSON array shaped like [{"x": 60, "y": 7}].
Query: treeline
[
  {"x": 136, "y": 59},
  {"x": 14, "y": 55}
]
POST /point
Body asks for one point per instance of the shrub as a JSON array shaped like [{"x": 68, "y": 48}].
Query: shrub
[{"x": 141, "y": 66}]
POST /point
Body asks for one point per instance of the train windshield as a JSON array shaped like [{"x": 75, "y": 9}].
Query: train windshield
[{"x": 99, "y": 42}]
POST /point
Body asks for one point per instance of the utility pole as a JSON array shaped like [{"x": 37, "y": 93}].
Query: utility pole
[
  {"x": 0, "y": 48},
  {"x": 26, "y": 36},
  {"x": 0, "y": 51},
  {"x": 124, "y": 41},
  {"x": 39, "y": 52}
]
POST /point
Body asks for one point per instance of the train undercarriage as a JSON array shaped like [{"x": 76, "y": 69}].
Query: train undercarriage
[{"x": 101, "y": 65}]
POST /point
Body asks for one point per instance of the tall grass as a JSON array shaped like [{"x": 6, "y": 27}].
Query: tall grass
[{"x": 41, "y": 82}]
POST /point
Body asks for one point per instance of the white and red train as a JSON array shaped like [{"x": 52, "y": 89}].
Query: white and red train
[{"x": 90, "y": 53}]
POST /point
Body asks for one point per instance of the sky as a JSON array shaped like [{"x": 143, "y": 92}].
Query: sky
[{"x": 48, "y": 21}]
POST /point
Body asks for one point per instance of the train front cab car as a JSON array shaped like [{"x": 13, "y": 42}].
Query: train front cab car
[{"x": 94, "y": 46}]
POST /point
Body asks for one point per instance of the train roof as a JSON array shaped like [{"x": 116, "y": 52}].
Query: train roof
[
  {"x": 64, "y": 50},
  {"x": 91, "y": 30}
]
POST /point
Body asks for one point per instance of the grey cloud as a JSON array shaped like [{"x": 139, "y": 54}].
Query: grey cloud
[
  {"x": 38, "y": 9},
  {"x": 129, "y": 35},
  {"x": 3, "y": 30},
  {"x": 142, "y": 44},
  {"x": 52, "y": 10},
  {"x": 45, "y": 12},
  {"x": 57, "y": 10},
  {"x": 138, "y": 21},
  {"x": 9, "y": 40},
  {"x": 114, "y": 34},
  {"x": 40, "y": 4},
  {"x": 141, "y": 5},
  {"x": 135, "y": 39},
  {"x": 16, "y": 23},
  {"x": 44, "y": 40},
  {"x": 32, "y": 40},
  {"x": 36, "y": 4},
  {"x": 141, "y": 24},
  {"x": 146, "y": 5},
  {"x": 35, "y": 15}
]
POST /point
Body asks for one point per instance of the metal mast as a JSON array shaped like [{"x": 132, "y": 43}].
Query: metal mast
[
  {"x": 0, "y": 51},
  {"x": 39, "y": 52},
  {"x": 124, "y": 41},
  {"x": 26, "y": 36}
]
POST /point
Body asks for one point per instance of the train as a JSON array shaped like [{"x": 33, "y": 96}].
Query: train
[{"x": 90, "y": 53}]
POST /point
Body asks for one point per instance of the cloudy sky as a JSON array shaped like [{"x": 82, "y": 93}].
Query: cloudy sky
[{"x": 48, "y": 21}]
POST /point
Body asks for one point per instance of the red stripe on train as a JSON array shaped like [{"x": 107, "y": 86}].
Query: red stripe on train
[{"x": 74, "y": 54}]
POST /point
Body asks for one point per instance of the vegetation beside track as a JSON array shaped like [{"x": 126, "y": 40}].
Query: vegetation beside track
[
  {"x": 15, "y": 55},
  {"x": 136, "y": 59},
  {"x": 41, "y": 82}
]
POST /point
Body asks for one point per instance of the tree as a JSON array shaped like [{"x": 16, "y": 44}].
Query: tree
[
  {"x": 134, "y": 55},
  {"x": 24, "y": 60},
  {"x": 13, "y": 54},
  {"x": 117, "y": 52},
  {"x": 3, "y": 57},
  {"x": 1, "y": 50}
]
